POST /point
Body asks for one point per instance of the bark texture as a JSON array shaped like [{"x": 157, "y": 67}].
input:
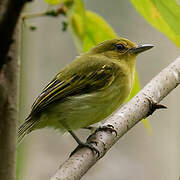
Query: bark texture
[
  {"x": 9, "y": 13},
  {"x": 8, "y": 114}
]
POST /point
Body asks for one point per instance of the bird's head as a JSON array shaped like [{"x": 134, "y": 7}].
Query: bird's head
[{"x": 120, "y": 48}]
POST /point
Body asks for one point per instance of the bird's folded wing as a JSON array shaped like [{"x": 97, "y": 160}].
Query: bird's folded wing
[{"x": 95, "y": 78}]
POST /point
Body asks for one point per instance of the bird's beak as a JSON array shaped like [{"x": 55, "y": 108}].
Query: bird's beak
[{"x": 141, "y": 48}]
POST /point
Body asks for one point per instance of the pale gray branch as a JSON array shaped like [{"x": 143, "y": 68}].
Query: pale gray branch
[{"x": 122, "y": 120}]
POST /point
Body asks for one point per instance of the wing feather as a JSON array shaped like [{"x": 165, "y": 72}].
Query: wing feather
[{"x": 95, "y": 78}]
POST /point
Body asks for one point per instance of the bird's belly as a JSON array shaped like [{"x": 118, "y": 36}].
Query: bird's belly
[{"x": 83, "y": 110}]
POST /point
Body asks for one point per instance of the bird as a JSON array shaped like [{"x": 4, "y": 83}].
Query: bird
[{"x": 87, "y": 90}]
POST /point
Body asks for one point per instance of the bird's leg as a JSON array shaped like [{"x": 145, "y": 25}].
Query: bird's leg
[
  {"x": 75, "y": 137},
  {"x": 91, "y": 128},
  {"x": 82, "y": 144}
]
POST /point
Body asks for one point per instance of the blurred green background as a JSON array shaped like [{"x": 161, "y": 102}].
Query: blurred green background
[{"x": 137, "y": 155}]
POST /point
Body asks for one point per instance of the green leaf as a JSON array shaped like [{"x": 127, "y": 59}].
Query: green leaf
[
  {"x": 56, "y": 2},
  {"x": 96, "y": 31},
  {"x": 76, "y": 22},
  {"x": 53, "y": 2},
  {"x": 163, "y": 15},
  {"x": 89, "y": 29}
]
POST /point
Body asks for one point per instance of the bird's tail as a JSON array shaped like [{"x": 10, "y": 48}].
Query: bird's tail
[{"x": 25, "y": 128}]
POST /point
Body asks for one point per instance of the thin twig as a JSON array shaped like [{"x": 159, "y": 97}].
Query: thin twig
[
  {"x": 32, "y": 15},
  {"x": 61, "y": 10},
  {"x": 122, "y": 121}
]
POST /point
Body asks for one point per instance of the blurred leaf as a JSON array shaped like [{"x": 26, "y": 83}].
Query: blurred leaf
[
  {"x": 64, "y": 26},
  {"x": 96, "y": 31},
  {"x": 56, "y": 2},
  {"x": 53, "y": 2},
  {"x": 163, "y": 15},
  {"x": 32, "y": 28},
  {"x": 19, "y": 162},
  {"x": 136, "y": 87},
  {"x": 89, "y": 29},
  {"x": 76, "y": 22}
]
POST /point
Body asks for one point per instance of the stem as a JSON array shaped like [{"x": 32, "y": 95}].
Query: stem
[
  {"x": 33, "y": 15},
  {"x": 53, "y": 13}
]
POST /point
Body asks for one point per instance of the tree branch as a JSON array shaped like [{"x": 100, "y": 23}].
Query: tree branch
[
  {"x": 8, "y": 113},
  {"x": 122, "y": 121},
  {"x": 9, "y": 71},
  {"x": 9, "y": 14}
]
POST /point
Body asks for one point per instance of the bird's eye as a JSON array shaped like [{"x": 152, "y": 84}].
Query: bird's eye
[{"x": 120, "y": 47}]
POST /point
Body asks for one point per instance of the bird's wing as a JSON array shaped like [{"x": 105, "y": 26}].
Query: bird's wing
[{"x": 95, "y": 77}]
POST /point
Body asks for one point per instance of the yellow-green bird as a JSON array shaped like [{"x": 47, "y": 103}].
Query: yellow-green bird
[{"x": 87, "y": 90}]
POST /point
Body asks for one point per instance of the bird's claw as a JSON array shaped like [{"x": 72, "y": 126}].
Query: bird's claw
[
  {"x": 88, "y": 145},
  {"x": 108, "y": 127}
]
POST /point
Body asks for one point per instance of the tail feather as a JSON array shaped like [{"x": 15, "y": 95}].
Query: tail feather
[{"x": 24, "y": 129}]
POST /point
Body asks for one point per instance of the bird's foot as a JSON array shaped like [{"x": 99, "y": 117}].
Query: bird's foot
[
  {"x": 88, "y": 145},
  {"x": 91, "y": 128},
  {"x": 108, "y": 127},
  {"x": 153, "y": 106}
]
